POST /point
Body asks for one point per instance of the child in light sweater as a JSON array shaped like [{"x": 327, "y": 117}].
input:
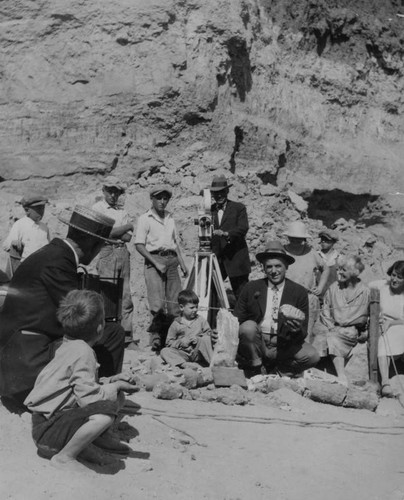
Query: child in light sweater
[
  {"x": 71, "y": 407},
  {"x": 189, "y": 337}
]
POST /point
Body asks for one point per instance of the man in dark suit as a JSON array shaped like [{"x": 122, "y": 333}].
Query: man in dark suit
[
  {"x": 230, "y": 226},
  {"x": 268, "y": 336},
  {"x": 29, "y": 330}
]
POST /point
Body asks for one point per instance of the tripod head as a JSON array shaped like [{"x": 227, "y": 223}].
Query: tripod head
[{"x": 205, "y": 223}]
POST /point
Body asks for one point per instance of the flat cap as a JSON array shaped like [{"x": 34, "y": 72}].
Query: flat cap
[
  {"x": 161, "y": 188},
  {"x": 33, "y": 200},
  {"x": 112, "y": 181},
  {"x": 328, "y": 234}
]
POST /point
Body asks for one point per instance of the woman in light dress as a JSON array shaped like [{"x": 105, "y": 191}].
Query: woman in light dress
[{"x": 391, "y": 341}]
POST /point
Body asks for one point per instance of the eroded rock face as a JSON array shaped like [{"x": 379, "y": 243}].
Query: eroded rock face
[
  {"x": 284, "y": 97},
  {"x": 306, "y": 94}
]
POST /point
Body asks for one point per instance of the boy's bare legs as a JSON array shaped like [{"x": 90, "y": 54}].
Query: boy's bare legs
[
  {"x": 67, "y": 457},
  {"x": 339, "y": 364}
]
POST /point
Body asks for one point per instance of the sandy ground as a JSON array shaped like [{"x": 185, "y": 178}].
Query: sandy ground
[{"x": 196, "y": 450}]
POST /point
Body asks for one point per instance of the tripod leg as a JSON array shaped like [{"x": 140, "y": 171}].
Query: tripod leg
[{"x": 219, "y": 284}]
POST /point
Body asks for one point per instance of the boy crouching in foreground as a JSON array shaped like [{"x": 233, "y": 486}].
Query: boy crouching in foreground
[
  {"x": 71, "y": 408},
  {"x": 189, "y": 337}
]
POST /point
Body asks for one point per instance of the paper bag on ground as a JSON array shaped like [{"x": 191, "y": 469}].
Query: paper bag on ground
[{"x": 226, "y": 346}]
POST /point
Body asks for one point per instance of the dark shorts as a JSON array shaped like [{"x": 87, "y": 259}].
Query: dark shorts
[{"x": 51, "y": 435}]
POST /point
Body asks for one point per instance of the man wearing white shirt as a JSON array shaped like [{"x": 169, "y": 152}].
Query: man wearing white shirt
[
  {"x": 114, "y": 260},
  {"x": 268, "y": 338},
  {"x": 27, "y": 234}
]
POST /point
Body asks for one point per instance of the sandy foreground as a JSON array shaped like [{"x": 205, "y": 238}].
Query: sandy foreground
[{"x": 196, "y": 450}]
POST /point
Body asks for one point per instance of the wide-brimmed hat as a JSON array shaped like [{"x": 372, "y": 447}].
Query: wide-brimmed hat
[
  {"x": 33, "y": 200},
  {"x": 219, "y": 183},
  {"x": 161, "y": 188},
  {"x": 297, "y": 229},
  {"x": 328, "y": 234},
  {"x": 90, "y": 222},
  {"x": 112, "y": 181},
  {"x": 274, "y": 249}
]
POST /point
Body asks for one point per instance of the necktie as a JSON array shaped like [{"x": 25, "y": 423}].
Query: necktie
[{"x": 275, "y": 309}]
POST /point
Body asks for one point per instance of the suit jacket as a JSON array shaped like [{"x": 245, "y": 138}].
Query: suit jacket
[
  {"x": 35, "y": 291},
  {"x": 232, "y": 252},
  {"x": 252, "y": 302}
]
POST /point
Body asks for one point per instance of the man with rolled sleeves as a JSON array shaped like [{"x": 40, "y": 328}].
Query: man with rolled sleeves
[
  {"x": 114, "y": 259},
  {"x": 230, "y": 226},
  {"x": 157, "y": 241},
  {"x": 267, "y": 336}
]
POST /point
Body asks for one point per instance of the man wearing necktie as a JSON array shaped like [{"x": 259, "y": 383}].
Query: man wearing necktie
[
  {"x": 267, "y": 337},
  {"x": 230, "y": 226}
]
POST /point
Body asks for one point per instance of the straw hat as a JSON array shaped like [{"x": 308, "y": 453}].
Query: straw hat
[
  {"x": 90, "y": 222},
  {"x": 297, "y": 229}
]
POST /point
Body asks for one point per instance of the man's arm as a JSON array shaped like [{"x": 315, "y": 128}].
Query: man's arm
[{"x": 240, "y": 229}]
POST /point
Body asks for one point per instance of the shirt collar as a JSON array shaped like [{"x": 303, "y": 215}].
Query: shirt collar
[
  {"x": 76, "y": 257},
  {"x": 279, "y": 287},
  {"x": 154, "y": 214}
]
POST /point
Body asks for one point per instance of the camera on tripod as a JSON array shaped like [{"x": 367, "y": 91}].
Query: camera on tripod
[{"x": 205, "y": 223}]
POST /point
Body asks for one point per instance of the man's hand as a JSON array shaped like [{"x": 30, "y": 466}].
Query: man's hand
[
  {"x": 161, "y": 268},
  {"x": 293, "y": 325},
  {"x": 219, "y": 232},
  {"x": 185, "y": 271},
  {"x": 316, "y": 291},
  {"x": 188, "y": 341}
]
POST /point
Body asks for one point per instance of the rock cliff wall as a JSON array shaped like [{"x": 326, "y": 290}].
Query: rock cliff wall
[
  {"x": 305, "y": 93},
  {"x": 281, "y": 95}
]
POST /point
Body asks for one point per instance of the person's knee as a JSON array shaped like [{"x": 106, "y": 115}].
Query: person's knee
[
  {"x": 248, "y": 331},
  {"x": 101, "y": 420}
]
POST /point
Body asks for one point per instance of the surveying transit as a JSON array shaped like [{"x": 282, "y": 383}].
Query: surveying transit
[{"x": 205, "y": 278}]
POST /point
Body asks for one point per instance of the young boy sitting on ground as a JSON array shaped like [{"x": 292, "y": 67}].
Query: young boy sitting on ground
[
  {"x": 189, "y": 337},
  {"x": 71, "y": 408}
]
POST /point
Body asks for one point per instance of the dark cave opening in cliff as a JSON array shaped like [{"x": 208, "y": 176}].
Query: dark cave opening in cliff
[{"x": 329, "y": 206}]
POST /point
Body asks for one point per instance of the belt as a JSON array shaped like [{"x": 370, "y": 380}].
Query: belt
[{"x": 165, "y": 253}]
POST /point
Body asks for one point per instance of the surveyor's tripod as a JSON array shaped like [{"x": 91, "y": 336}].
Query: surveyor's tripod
[{"x": 206, "y": 281}]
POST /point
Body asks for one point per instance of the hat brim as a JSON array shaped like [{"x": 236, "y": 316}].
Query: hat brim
[
  {"x": 303, "y": 237},
  {"x": 327, "y": 237},
  {"x": 106, "y": 240},
  {"x": 276, "y": 255},
  {"x": 34, "y": 204},
  {"x": 220, "y": 188}
]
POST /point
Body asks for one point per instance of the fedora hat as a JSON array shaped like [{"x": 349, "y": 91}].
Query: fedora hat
[
  {"x": 274, "y": 249},
  {"x": 297, "y": 229},
  {"x": 90, "y": 222},
  {"x": 219, "y": 183}
]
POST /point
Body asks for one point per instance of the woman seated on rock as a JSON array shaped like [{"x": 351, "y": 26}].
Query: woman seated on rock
[
  {"x": 344, "y": 315},
  {"x": 391, "y": 341}
]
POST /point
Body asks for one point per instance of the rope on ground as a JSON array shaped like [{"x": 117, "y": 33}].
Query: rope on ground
[
  {"x": 181, "y": 431},
  {"x": 392, "y": 430}
]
